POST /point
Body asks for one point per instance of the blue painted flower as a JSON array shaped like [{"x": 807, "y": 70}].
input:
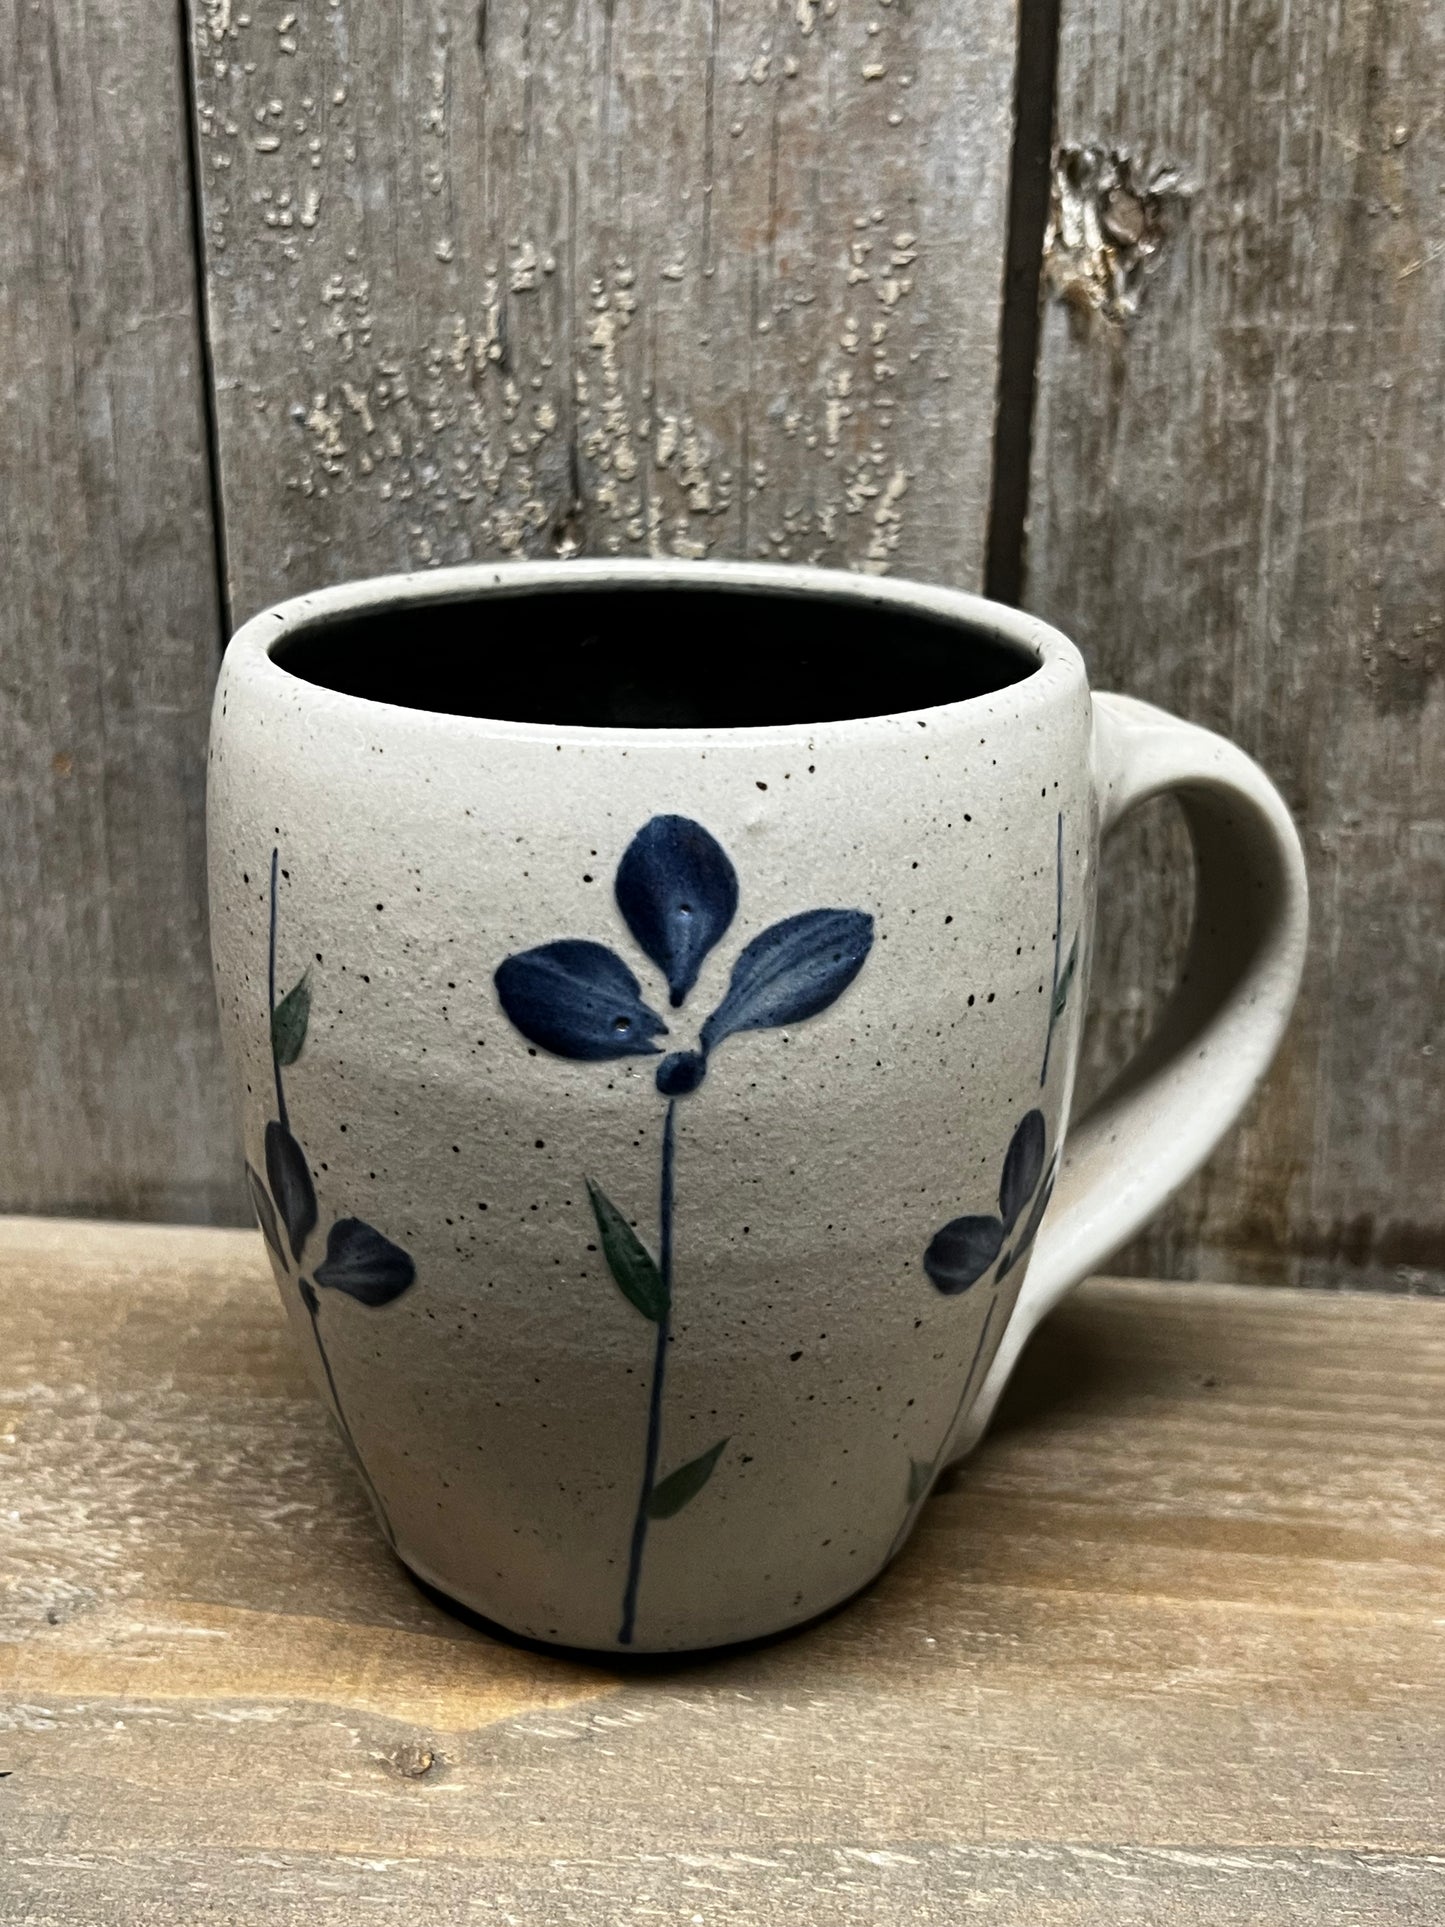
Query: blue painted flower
[
  {"x": 959, "y": 1255},
  {"x": 677, "y": 891},
  {"x": 678, "y": 894},
  {"x": 966, "y": 1249},
  {"x": 361, "y": 1263}
]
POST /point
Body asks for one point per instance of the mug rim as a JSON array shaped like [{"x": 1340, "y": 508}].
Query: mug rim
[{"x": 1056, "y": 660}]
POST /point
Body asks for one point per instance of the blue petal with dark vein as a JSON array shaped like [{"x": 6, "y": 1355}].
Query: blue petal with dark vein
[
  {"x": 289, "y": 1177},
  {"x": 678, "y": 892},
  {"x": 364, "y": 1264},
  {"x": 791, "y": 971},
  {"x": 959, "y": 1254},
  {"x": 577, "y": 999},
  {"x": 1022, "y": 1166},
  {"x": 265, "y": 1215},
  {"x": 1031, "y": 1223}
]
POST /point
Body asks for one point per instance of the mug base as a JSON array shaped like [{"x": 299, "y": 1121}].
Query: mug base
[{"x": 628, "y": 1659}]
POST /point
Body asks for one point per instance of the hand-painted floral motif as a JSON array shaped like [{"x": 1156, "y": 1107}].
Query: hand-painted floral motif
[
  {"x": 677, "y": 892},
  {"x": 359, "y": 1262},
  {"x": 969, "y": 1248}
]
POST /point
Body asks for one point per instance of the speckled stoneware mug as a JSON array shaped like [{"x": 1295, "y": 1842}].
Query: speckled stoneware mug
[{"x": 656, "y": 990}]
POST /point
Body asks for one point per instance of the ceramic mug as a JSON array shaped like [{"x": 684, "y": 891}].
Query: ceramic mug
[{"x": 656, "y": 993}]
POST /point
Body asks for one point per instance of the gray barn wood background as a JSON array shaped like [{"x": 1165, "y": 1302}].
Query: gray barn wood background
[{"x": 309, "y": 289}]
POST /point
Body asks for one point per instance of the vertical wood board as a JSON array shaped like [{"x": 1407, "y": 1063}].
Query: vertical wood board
[
  {"x": 112, "y": 1097},
  {"x": 1238, "y": 509}
]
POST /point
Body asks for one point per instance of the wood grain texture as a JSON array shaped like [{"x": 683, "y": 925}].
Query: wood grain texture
[
  {"x": 1169, "y": 1650},
  {"x": 112, "y": 1097},
  {"x": 602, "y": 276},
  {"x": 1238, "y": 508}
]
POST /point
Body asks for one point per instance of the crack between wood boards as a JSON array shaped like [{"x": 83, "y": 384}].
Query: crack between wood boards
[
  {"x": 209, "y": 421},
  {"x": 1035, "y": 81}
]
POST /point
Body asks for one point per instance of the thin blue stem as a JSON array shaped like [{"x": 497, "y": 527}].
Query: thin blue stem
[
  {"x": 659, "y": 1372},
  {"x": 308, "y": 1298},
  {"x": 952, "y": 1427},
  {"x": 271, "y": 999},
  {"x": 958, "y": 1409},
  {"x": 1058, "y": 944}
]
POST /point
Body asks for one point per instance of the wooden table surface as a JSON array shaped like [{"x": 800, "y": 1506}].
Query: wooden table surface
[{"x": 1171, "y": 1649}]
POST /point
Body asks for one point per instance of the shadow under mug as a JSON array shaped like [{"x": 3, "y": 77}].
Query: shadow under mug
[{"x": 655, "y": 993}]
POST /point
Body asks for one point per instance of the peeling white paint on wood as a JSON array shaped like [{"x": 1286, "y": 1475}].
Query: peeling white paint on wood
[
  {"x": 707, "y": 280},
  {"x": 722, "y": 278}
]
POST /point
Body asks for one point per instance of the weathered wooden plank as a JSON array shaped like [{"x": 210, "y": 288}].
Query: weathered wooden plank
[
  {"x": 1239, "y": 508},
  {"x": 719, "y": 277},
  {"x": 1169, "y": 1648},
  {"x": 933, "y": 1885},
  {"x": 111, "y": 1093}
]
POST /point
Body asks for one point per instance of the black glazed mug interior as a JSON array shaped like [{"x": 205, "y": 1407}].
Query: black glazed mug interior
[{"x": 661, "y": 657}]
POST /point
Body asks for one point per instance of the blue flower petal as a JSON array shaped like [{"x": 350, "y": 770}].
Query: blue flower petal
[
  {"x": 678, "y": 892},
  {"x": 1031, "y": 1223},
  {"x": 577, "y": 999},
  {"x": 791, "y": 971},
  {"x": 364, "y": 1264},
  {"x": 959, "y": 1254},
  {"x": 1022, "y": 1167},
  {"x": 289, "y": 1177},
  {"x": 265, "y": 1215}
]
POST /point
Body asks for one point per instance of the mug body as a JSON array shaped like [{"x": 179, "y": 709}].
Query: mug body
[{"x": 653, "y": 1062}]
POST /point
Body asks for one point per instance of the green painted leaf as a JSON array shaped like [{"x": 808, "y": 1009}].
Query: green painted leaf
[
  {"x": 628, "y": 1259},
  {"x": 289, "y": 1020},
  {"x": 920, "y": 1471},
  {"x": 671, "y": 1494},
  {"x": 1066, "y": 978}
]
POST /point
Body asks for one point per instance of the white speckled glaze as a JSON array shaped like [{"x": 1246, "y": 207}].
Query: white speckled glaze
[{"x": 499, "y": 1404}]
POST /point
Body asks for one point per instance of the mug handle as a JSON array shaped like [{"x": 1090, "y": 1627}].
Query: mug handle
[{"x": 1175, "y": 1099}]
